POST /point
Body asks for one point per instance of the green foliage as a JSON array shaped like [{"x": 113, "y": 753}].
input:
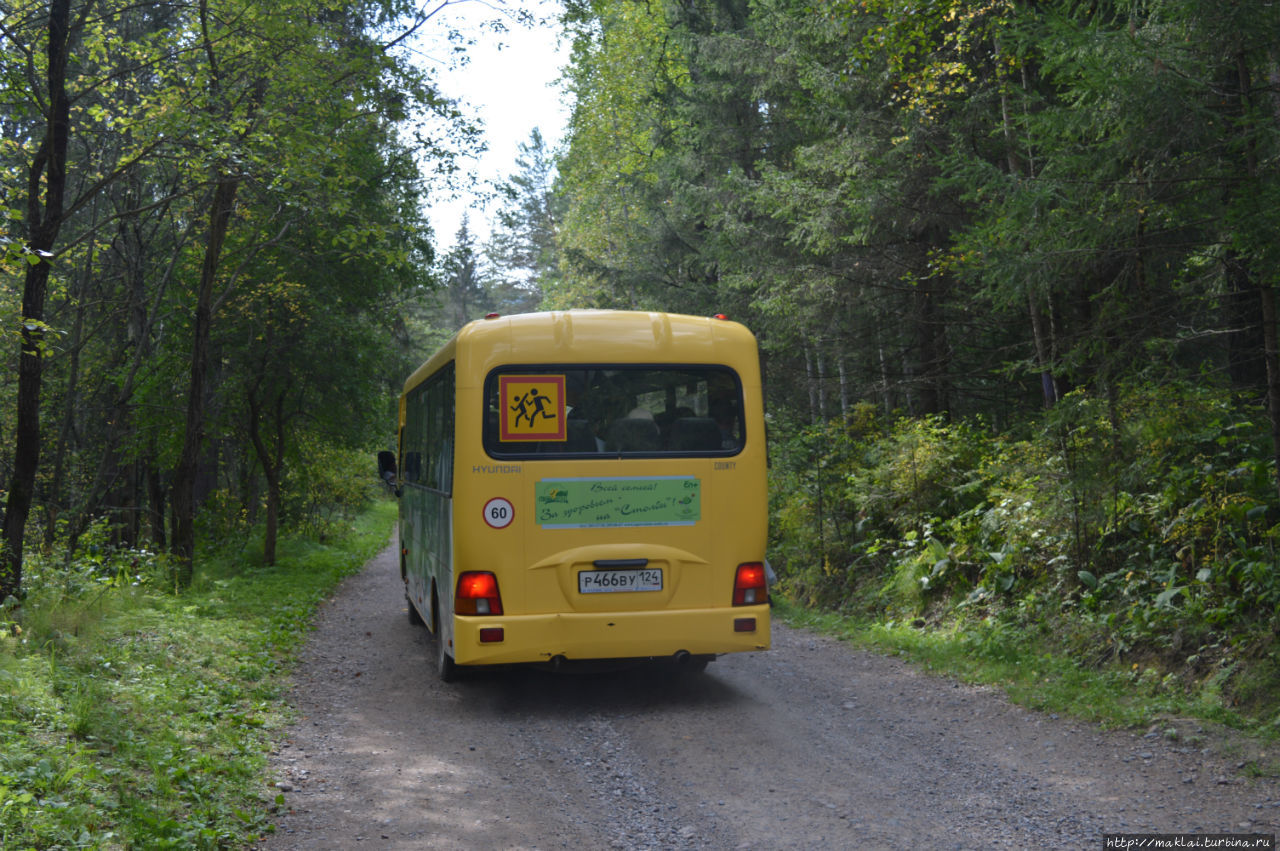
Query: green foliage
[
  {"x": 100, "y": 562},
  {"x": 1140, "y": 527},
  {"x": 1033, "y": 672},
  {"x": 327, "y": 487},
  {"x": 331, "y": 485},
  {"x": 522, "y": 248},
  {"x": 297, "y": 106},
  {"x": 945, "y": 208},
  {"x": 135, "y": 718},
  {"x": 810, "y": 518}
]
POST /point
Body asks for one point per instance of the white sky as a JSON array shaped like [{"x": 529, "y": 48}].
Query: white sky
[{"x": 509, "y": 82}]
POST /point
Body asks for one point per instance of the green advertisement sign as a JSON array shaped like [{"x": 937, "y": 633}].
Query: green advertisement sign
[{"x": 595, "y": 503}]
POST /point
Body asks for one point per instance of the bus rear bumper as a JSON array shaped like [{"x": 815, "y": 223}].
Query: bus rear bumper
[{"x": 610, "y": 635}]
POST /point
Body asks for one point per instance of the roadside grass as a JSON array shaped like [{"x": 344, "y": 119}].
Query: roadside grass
[
  {"x": 134, "y": 718},
  {"x": 1112, "y": 696}
]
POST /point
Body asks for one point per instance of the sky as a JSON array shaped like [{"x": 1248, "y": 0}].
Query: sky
[{"x": 509, "y": 83}]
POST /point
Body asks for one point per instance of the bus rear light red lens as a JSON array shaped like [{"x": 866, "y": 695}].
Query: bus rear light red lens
[
  {"x": 477, "y": 594},
  {"x": 492, "y": 635},
  {"x": 744, "y": 624},
  {"x": 749, "y": 587}
]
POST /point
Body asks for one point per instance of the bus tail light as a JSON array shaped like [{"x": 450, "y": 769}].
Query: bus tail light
[
  {"x": 477, "y": 594},
  {"x": 749, "y": 587}
]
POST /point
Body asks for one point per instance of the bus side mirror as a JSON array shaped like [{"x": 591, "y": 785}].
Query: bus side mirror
[{"x": 387, "y": 470}]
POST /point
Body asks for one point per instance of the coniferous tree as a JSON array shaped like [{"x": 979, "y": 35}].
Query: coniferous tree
[
  {"x": 463, "y": 295},
  {"x": 522, "y": 248}
]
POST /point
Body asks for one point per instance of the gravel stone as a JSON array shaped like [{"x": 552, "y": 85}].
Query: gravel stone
[{"x": 810, "y": 745}]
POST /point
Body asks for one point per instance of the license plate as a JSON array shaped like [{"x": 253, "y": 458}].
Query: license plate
[{"x": 605, "y": 581}]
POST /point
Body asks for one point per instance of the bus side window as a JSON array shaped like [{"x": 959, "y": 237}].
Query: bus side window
[
  {"x": 438, "y": 474},
  {"x": 446, "y": 440},
  {"x": 413, "y": 466}
]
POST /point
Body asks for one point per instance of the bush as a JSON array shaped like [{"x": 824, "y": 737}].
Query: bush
[
  {"x": 1142, "y": 523},
  {"x": 134, "y": 717},
  {"x": 327, "y": 487}
]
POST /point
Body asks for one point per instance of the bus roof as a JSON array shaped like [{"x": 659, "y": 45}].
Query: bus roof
[{"x": 603, "y": 336}]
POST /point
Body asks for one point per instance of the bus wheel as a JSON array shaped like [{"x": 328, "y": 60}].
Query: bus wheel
[
  {"x": 415, "y": 618},
  {"x": 446, "y": 670}
]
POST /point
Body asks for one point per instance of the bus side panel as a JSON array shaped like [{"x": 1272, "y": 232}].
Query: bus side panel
[{"x": 426, "y": 530}]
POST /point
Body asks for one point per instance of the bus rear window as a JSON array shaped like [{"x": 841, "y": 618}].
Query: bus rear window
[{"x": 611, "y": 411}]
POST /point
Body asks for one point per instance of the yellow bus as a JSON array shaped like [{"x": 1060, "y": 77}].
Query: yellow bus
[{"x": 586, "y": 485}]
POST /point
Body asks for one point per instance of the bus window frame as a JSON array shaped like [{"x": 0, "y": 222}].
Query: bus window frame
[
  {"x": 492, "y": 446},
  {"x": 444, "y": 382}
]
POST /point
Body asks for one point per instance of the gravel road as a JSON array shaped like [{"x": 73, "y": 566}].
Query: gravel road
[{"x": 810, "y": 745}]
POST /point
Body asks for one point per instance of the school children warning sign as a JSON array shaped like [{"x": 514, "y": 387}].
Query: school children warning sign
[{"x": 533, "y": 407}]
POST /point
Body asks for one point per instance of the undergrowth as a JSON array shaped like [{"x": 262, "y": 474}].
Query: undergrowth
[
  {"x": 131, "y": 717},
  {"x": 1129, "y": 539}
]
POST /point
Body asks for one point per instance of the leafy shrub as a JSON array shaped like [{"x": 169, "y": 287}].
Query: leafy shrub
[
  {"x": 136, "y": 718},
  {"x": 1141, "y": 523},
  {"x": 327, "y": 487},
  {"x": 813, "y": 525}
]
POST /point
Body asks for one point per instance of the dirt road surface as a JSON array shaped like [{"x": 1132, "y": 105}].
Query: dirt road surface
[{"x": 810, "y": 745}]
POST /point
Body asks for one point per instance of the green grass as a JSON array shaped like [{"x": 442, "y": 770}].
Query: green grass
[
  {"x": 1113, "y": 696},
  {"x": 133, "y": 718}
]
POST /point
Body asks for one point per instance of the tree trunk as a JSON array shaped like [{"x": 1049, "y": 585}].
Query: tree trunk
[
  {"x": 844, "y": 385},
  {"x": 1025, "y": 168},
  {"x": 931, "y": 356},
  {"x": 55, "y": 500},
  {"x": 156, "y": 500},
  {"x": 272, "y": 466},
  {"x": 822, "y": 383},
  {"x": 1267, "y": 293},
  {"x": 1044, "y": 358},
  {"x": 810, "y": 383},
  {"x": 884, "y": 376},
  {"x": 1245, "y": 340},
  {"x": 48, "y": 170},
  {"x": 183, "y": 500},
  {"x": 1271, "y": 351}
]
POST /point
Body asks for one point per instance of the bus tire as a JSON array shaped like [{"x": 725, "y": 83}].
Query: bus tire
[
  {"x": 415, "y": 617},
  {"x": 445, "y": 667},
  {"x": 446, "y": 670}
]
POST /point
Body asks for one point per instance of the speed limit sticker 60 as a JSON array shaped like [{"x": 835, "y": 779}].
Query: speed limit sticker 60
[{"x": 499, "y": 512}]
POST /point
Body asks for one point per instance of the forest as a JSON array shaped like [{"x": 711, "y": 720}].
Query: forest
[{"x": 1012, "y": 266}]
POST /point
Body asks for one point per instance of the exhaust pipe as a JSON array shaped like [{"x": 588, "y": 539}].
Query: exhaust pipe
[{"x": 686, "y": 661}]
